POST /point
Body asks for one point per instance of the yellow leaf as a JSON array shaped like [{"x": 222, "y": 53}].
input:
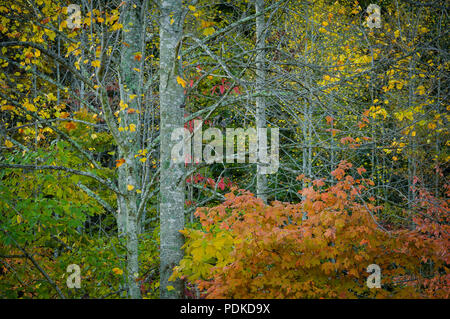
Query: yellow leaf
[
  {"x": 122, "y": 105},
  {"x": 116, "y": 26},
  {"x": 208, "y": 31},
  {"x": 132, "y": 128},
  {"x": 170, "y": 288},
  {"x": 8, "y": 143},
  {"x": 51, "y": 97},
  {"x": 420, "y": 90},
  {"x": 30, "y": 107},
  {"x": 192, "y": 8},
  {"x": 7, "y": 108},
  {"x": 96, "y": 63},
  {"x": 181, "y": 81},
  {"x": 130, "y": 187}
]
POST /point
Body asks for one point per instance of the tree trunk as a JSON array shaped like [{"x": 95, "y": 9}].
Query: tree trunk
[
  {"x": 172, "y": 174},
  {"x": 130, "y": 171},
  {"x": 261, "y": 178}
]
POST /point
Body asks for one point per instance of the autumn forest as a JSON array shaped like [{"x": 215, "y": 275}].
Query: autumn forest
[{"x": 220, "y": 149}]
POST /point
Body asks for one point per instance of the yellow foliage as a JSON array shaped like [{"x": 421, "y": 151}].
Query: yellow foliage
[{"x": 181, "y": 81}]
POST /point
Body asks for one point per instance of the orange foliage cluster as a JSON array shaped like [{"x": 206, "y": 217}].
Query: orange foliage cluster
[{"x": 321, "y": 247}]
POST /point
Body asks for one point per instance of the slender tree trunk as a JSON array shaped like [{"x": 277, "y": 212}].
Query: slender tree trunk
[
  {"x": 130, "y": 171},
  {"x": 121, "y": 208},
  {"x": 172, "y": 174},
  {"x": 132, "y": 250},
  {"x": 261, "y": 178}
]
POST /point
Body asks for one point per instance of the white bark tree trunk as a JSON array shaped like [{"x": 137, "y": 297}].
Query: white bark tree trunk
[
  {"x": 172, "y": 174},
  {"x": 129, "y": 173},
  {"x": 261, "y": 178}
]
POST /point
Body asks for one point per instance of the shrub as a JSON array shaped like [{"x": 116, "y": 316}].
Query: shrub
[{"x": 318, "y": 248}]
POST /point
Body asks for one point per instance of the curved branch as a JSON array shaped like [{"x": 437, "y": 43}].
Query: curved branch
[{"x": 107, "y": 183}]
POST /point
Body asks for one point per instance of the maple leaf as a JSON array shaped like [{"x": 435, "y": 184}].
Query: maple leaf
[
  {"x": 221, "y": 184},
  {"x": 181, "y": 81},
  {"x": 64, "y": 115},
  {"x": 361, "y": 125},
  {"x": 120, "y": 162},
  {"x": 70, "y": 126},
  {"x": 318, "y": 182},
  {"x": 51, "y": 97},
  {"x": 361, "y": 170},
  {"x": 117, "y": 271},
  {"x": 30, "y": 107},
  {"x": 329, "y": 119},
  {"x": 96, "y": 63},
  {"x": 209, "y": 31},
  {"x": 8, "y": 143}
]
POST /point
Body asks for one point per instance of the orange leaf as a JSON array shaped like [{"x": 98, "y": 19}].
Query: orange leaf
[
  {"x": 70, "y": 126},
  {"x": 120, "y": 162},
  {"x": 361, "y": 170},
  {"x": 329, "y": 119}
]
